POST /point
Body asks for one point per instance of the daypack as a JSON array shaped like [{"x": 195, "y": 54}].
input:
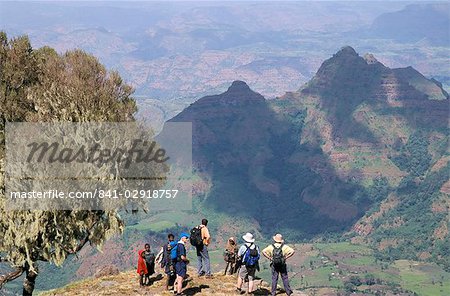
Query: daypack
[
  {"x": 169, "y": 247},
  {"x": 172, "y": 247},
  {"x": 278, "y": 259},
  {"x": 196, "y": 236},
  {"x": 251, "y": 256}
]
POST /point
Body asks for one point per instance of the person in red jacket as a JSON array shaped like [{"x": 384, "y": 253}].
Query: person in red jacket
[{"x": 142, "y": 267}]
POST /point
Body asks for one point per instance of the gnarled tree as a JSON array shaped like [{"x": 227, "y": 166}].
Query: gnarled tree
[{"x": 43, "y": 86}]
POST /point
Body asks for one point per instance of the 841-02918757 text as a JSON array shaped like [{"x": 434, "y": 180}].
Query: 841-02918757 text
[
  {"x": 97, "y": 193},
  {"x": 150, "y": 194}
]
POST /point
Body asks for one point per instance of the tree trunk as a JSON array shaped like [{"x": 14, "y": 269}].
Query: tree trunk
[{"x": 28, "y": 282}]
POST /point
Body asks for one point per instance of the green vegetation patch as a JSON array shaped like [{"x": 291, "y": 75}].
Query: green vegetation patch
[
  {"x": 322, "y": 277},
  {"x": 423, "y": 278},
  {"x": 359, "y": 261},
  {"x": 343, "y": 247}
]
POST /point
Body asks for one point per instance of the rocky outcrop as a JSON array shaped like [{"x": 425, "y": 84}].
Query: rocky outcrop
[{"x": 107, "y": 270}]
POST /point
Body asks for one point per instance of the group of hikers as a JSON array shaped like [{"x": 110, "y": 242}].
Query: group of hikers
[{"x": 243, "y": 260}]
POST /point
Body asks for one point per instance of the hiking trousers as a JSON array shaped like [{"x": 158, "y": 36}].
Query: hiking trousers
[
  {"x": 284, "y": 276},
  {"x": 203, "y": 263}
]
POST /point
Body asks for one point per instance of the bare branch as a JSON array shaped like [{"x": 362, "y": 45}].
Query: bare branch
[
  {"x": 84, "y": 241},
  {"x": 80, "y": 245},
  {"x": 10, "y": 276}
]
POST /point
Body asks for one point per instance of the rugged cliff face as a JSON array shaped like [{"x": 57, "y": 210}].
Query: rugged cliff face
[
  {"x": 324, "y": 155},
  {"x": 346, "y": 81},
  {"x": 385, "y": 129}
]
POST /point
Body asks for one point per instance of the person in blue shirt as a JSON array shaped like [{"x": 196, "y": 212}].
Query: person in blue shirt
[
  {"x": 248, "y": 256},
  {"x": 181, "y": 261}
]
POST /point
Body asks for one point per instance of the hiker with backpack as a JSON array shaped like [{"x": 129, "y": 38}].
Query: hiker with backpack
[
  {"x": 142, "y": 267},
  {"x": 278, "y": 253},
  {"x": 248, "y": 257},
  {"x": 149, "y": 262},
  {"x": 167, "y": 262},
  {"x": 180, "y": 260},
  {"x": 200, "y": 239},
  {"x": 230, "y": 256}
]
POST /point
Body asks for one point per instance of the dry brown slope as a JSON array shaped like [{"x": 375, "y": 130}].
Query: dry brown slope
[{"x": 126, "y": 283}]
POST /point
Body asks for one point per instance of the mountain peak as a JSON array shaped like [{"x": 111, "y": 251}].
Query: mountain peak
[
  {"x": 236, "y": 99},
  {"x": 346, "y": 50},
  {"x": 238, "y": 86},
  {"x": 350, "y": 77},
  {"x": 239, "y": 93},
  {"x": 344, "y": 67}
]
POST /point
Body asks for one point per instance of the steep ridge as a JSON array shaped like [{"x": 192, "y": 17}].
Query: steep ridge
[
  {"x": 238, "y": 119},
  {"x": 347, "y": 80},
  {"x": 248, "y": 153},
  {"x": 351, "y": 138},
  {"x": 387, "y": 130},
  {"x": 356, "y": 101}
]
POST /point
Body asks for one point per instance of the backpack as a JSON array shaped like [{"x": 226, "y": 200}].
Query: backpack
[
  {"x": 278, "y": 259},
  {"x": 172, "y": 247},
  {"x": 196, "y": 237},
  {"x": 251, "y": 256}
]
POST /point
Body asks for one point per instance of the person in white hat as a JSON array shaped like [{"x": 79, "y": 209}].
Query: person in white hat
[
  {"x": 278, "y": 253},
  {"x": 248, "y": 256}
]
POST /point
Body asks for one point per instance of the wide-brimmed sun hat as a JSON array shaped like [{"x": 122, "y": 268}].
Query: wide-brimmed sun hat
[
  {"x": 248, "y": 237},
  {"x": 278, "y": 238}
]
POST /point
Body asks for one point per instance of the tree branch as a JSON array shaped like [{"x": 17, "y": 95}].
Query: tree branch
[
  {"x": 10, "y": 276},
  {"x": 80, "y": 245},
  {"x": 83, "y": 241}
]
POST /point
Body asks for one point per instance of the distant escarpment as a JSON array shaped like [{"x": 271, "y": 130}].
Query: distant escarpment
[{"x": 323, "y": 159}]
